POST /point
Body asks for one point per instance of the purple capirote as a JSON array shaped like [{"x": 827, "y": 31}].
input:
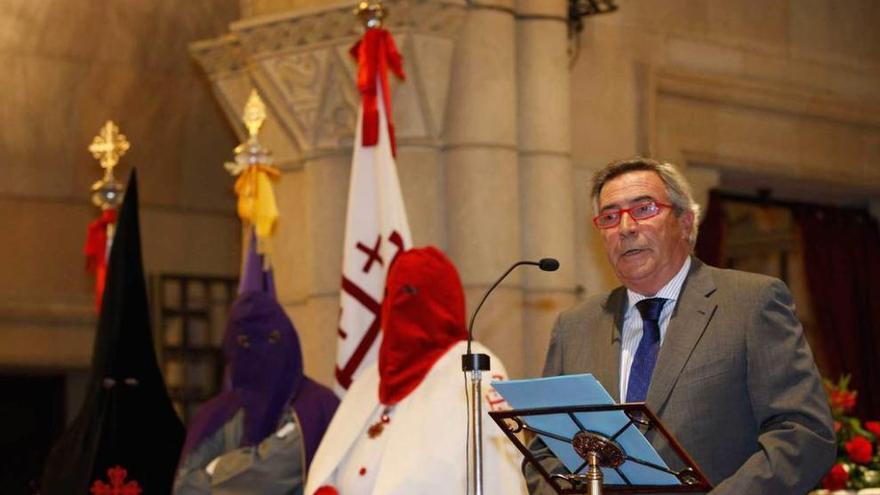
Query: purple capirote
[
  {"x": 264, "y": 362},
  {"x": 255, "y": 275}
]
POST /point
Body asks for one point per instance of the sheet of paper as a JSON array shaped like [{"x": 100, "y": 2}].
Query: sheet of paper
[{"x": 643, "y": 465}]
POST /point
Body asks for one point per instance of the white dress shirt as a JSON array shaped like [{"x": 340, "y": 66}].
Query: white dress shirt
[{"x": 632, "y": 322}]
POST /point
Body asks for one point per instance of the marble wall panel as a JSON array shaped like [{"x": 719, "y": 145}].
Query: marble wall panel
[
  {"x": 541, "y": 310},
  {"x": 291, "y": 258},
  {"x": 42, "y": 251},
  {"x": 546, "y": 188},
  {"x": 423, "y": 185},
  {"x": 483, "y": 84},
  {"x": 36, "y": 345},
  {"x": 823, "y": 52},
  {"x": 752, "y": 23},
  {"x": 149, "y": 34},
  {"x": 190, "y": 242},
  {"x": 814, "y": 148},
  {"x": 500, "y": 323},
  {"x": 604, "y": 99},
  {"x": 317, "y": 320},
  {"x": 483, "y": 208},
  {"x": 75, "y": 65},
  {"x": 254, "y": 8},
  {"x": 69, "y": 66},
  {"x": 836, "y": 33},
  {"x": 429, "y": 63},
  {"x": 327, "y": 180},
  {"x": 671, "y": 16}
]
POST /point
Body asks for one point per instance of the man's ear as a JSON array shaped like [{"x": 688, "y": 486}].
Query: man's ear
[{"x": 686, "y": 220}]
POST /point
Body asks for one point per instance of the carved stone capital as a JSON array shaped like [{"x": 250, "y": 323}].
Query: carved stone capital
[
  {"x": 268, "y": 35},
  {"x": 299, "y": 62},
  {"x": 219, "y": 56}
]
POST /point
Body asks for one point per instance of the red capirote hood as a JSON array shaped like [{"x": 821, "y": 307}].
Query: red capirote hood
[{"x": 423, "y": 314}]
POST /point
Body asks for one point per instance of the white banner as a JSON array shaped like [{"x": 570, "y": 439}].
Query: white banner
[{"x": 376, "y": 230}]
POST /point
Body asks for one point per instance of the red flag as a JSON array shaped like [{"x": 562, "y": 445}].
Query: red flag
[{"x": 376, "y": 227}]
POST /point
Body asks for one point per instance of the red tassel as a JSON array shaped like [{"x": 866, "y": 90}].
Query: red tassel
[
  {"x": 376, "y": 53},
  {"x": 96, "y": 251}
]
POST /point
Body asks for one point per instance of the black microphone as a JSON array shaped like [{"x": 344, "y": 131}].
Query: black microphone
[
  {"x": 471, "y": 362},
  {"x": 548, "y": 264}
]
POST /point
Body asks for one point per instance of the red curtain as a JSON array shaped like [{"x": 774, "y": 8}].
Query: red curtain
[
  {"x": 711, "y": 238},
  {"x": 842, "y": 261}
]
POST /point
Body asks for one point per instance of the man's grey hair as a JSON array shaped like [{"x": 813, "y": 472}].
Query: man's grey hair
[{"x": 677, "y": 187}]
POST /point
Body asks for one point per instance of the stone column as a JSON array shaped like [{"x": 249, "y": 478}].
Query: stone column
[
  {"x": 483, "y": 195},
  {"x": 545, "y": 171}
]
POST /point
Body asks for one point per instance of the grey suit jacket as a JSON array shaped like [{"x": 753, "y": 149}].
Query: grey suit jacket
[{"x": 735, "y": 381}]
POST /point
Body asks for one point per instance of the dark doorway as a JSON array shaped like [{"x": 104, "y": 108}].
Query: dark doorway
[{"x": 32, "y": 415}]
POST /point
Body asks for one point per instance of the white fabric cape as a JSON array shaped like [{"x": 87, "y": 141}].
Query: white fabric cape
[{"x": 427, "y": 450}]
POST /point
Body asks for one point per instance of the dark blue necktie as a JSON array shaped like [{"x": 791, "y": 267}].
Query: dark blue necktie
[{"x": 646, "y": 354}]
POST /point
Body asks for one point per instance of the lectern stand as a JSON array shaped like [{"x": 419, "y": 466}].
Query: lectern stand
[{"x": 612, "y": 454}]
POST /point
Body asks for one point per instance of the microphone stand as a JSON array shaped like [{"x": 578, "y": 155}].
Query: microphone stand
[{"x": 475, "y": 364}]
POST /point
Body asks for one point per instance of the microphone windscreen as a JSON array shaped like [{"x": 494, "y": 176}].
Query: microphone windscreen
[{"x": 549, "y": 264}]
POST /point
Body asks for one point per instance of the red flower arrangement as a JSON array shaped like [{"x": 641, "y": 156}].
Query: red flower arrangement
[{"x": 858, "y": 460}]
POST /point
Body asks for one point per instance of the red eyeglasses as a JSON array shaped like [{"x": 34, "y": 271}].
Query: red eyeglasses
[{"x": 642, "y": 211}]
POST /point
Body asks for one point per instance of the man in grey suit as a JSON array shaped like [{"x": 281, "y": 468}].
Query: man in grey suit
[{"x": 718, "y": 355}]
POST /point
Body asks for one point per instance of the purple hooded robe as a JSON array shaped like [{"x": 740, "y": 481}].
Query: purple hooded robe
[{"x": 265, "y": 367}]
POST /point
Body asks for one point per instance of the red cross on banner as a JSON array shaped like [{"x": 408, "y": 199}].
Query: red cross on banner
[
  {"x": 372, "y": 254},
  {"x": 376, "y": 227}
]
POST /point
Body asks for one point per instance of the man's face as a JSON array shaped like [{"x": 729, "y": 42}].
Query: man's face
[{"x": 645, "y": 254}]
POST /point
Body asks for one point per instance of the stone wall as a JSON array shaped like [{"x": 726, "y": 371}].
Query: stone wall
[
  {"x": 777, "y": 94},
  {"x": 68, "y": 67}
]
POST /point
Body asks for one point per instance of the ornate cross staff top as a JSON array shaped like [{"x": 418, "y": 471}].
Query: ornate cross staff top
[
  {"x": 254, "y": 114},
  {"x": 371, "y": 13},
  {"x": 108, "y": 147},
  {"x": 255, "y": 174},
  {"x": 251, "y": 152}
]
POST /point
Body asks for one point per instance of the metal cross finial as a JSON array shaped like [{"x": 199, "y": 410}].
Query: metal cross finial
[
  {"x": 109, "y": 145},
  {"x": 371, "y": 13},
  {"x": 254, "y": 113}
]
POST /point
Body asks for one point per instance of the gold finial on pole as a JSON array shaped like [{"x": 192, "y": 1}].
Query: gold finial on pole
[
  {"x": 251, "y": 152},
  {"x": 255, "y": 173},
  {"x": 371, "y": 13},
  {"x": 108, "y": 147},
  {"x": 254, "y": 113}
]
